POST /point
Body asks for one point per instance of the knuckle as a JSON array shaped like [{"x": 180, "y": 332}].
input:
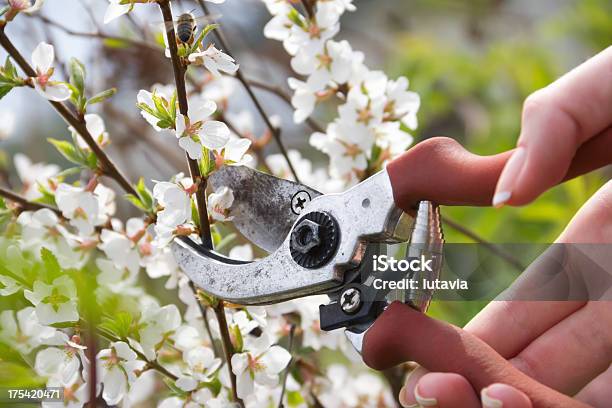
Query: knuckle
[{"x": 535, "y": 103}]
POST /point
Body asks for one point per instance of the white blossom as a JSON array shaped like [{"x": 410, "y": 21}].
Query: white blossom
[
  {"x": 22, "y": 330},
  {"x": 261, "y": 364},
  {"x": 85, "y": 209},
  {"x": 63, "y": 363},
  {"x": 95, "y": 126},
  {"x": 196, "y": 129},
  {"x": 56, "y": 302},
  {"x": 33, "y": 175},
  {"x": 220, "y": 203},
  {"x": 117, "y": 369},
  {"x": 156, "y": 326},
  {"x": 42, "y": 59},
  {"x": 214, "y": 60}
]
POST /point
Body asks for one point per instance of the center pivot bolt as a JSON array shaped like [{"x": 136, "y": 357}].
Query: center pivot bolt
[{"x": 314, "y": 239}]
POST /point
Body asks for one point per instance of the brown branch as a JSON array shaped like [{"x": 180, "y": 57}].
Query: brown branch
[
  {"x": 181, "y": 93},
  {"x": 194, "y": 169},
  {"x": 491, "y": 247},
  {"x": 107, "y": 166},
  {"x": 276, "y": 132},
  {"x": 99, "y": 34},
  {"x": 25, "y": 204},
  {"x": 228, "y": 349}
]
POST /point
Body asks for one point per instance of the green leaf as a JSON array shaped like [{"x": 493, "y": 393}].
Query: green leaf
[
  {"x": 237, "y": 340},
  {"x": 296, "y": 18},
  {"x": 77, "y": 75},
  {"x": 102, "y": 96},
  {"x": 136, "y": 202},
  {"x": 195, "y": 216},
  {"x": 202, "y": 36},
  {"x": 115, "y": 43},
  {"x": 68, "y": 150},
  {"x": 145, "y": 195},
  {"x": 52, "y": 266},
  {"x": 14, "y": 375},
  {"x": 5, "y": 89}
]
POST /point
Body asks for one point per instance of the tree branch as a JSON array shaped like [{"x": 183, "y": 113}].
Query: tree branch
[
  {"x": 194, "y": 169},
  {"x": 25, "y": 204},
  {"x": 99, "y": 35},
  {"x": 108, "y": 168},
  {"x": 276, "y": 132}
]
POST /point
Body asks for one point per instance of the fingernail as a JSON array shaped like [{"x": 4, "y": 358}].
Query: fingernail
[
  {"x": 404, "y": 399},
  {"x": 508, "y": 177},
  {"x": 424, "y": 401},
  {"x": 488, "y": 401}
]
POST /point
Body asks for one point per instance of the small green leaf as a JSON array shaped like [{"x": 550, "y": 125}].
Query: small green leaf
[
  {"x": 52, "y": 266},
  {"x": 146, "y": 197},
  {"x": 202, "y": 36},
  {"x": 77, "y": 75},
  {"x": 296, "y": 18},
  {"x": 68, "y": 150},
  {"x": 236, "y": 337},
  {"x": 102, "y": 96},
  {"x": 136, "y": 202}
]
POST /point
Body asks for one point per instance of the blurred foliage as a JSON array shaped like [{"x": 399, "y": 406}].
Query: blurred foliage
[{"x": 474, "y": 93}]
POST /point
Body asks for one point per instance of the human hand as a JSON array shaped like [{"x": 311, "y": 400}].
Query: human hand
[{"x": 561, "y": 345}]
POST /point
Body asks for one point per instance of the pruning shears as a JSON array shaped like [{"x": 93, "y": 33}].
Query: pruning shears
[{"x": 317, "y": 244}]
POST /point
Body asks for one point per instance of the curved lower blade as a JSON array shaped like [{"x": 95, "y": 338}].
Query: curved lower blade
[{"x": 265, "y": 207}]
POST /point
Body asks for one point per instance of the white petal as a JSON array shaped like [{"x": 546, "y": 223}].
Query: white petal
[
  {"x": 240, "y": 362},
  {"x": 193, "y": 148},
  {"x": 42, "y": 57},
  {"x": 115, "y": 385},
  {"x": 244, "y": 384},
  {"x": 215, "y": 134},
  {"x": 275, "y": 359},
  {"x": 56, "y": 92}
]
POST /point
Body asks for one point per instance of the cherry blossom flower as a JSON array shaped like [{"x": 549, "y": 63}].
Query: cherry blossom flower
[
  {"x": 303, "y": 100},
  {"x": 196, "y": 130},
  {"x": 234, "y": 153},
  {"x": 220, "y": 202},
  {"x": 95, "y": 126},
  {"x": 242, "y": 252},
  {"x": 56, "y": 302},
  {"x": 214, "y": 60},
  {"x": 175, "y": 200},
  {"x": 63, "y": 363},
  {"x": 75, "y": 395},
  {"x": 121, "y": 246},
  {"x": 33, "y": 175},
  {"x": 116, "y": 279},
  {"x": 156, "y": 326},
  {"x": 311, "y": 35},
  {"x": 42, "y": 59},
  {"x": 22, "y": 330},
  {"x": 333, "y": 63},
  {"x": 202, "y": 365},
  {"x": 261, "y": 364},
  {"x": 117, "y": 8},
  {"x": 85, "y": 209},
  {"x": 118, "y": 367}
]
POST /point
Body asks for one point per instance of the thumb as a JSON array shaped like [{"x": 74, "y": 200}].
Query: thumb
[{"x": 403, "y": 334}]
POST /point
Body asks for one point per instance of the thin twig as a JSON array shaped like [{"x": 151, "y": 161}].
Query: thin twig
[
  {"x": 205, "y": 320},
  {"x": 288, "y": 368},
  {"x": 194, "y": 169},
  {"x": 25, "y": 204},
  {"x": 228, "y": 349},
  {"x": 107, "y": 166},
  {"x": 276, "y": 132},
  {"x": 491, "y": 247},
  {"x": 99, "y": 35}
]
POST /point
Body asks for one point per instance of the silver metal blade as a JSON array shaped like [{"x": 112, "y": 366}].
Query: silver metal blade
[{"x": 265, "y": 207}]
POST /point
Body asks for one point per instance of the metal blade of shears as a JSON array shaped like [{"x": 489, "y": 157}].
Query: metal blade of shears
[{"x": 265, "y": 207}]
